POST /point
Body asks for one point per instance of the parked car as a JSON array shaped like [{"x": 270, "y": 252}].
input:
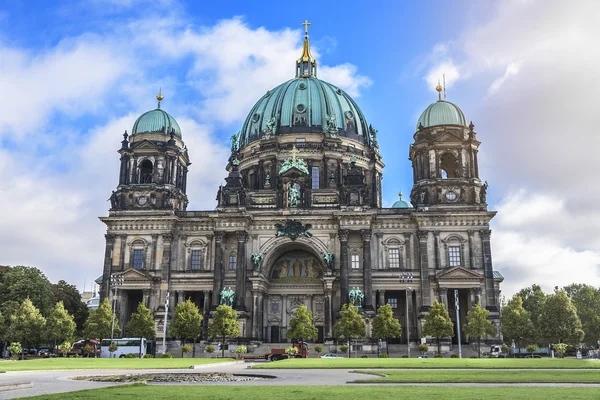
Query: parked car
[{"x": 331, "y": 355}]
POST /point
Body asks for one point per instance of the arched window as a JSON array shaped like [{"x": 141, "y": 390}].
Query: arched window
[
  {"x": 449, "y": 166},
  {"x": 146, "y": 169}
]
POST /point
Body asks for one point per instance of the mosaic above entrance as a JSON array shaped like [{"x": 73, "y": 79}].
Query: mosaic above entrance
[{"x": 296, "y": 264}]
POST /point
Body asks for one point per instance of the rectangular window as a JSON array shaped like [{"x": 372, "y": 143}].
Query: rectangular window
[
  {"x": 355, "y": 261},
  {"x": 196, "y": 259},
  {"x": 392, "y": 301},
  {"x": 138, "y": 258},
  {"x": 232, "y": 262},
  {"x": 454, "y": 256},
  {"x": 394, "y": 257},
  {"x": 315, "y": 177},
  {"x": 300, "y": 140}
]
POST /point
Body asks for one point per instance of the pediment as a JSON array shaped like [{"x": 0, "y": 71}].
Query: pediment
[
  {"x": 146, "y": 145},
  {"x": 132, "y": 274},
  {"x": 449, "y": 137},
  {"x": 458, "y": 273},
  {"x": 293, "y": 171}
]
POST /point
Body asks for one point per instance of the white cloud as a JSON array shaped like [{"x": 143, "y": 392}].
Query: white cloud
[
  {"x": 511, "y": 69},
  {"x": 445, "y": 68}
]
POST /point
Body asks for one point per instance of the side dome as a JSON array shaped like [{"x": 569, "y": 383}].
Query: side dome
[
  {"x": 156, "y": 121},
  {"x": 305, "y": 105},
  {"x": 441, "y": 112},
  {"x": 401, "y": 203}
]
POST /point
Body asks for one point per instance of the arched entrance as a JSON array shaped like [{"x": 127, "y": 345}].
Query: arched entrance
[{"x": 295, "y": 278}]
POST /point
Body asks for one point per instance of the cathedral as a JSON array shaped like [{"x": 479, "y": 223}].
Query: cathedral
[{"x": 299, "y": 218}]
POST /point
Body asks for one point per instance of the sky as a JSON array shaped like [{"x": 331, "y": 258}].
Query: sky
[{"x": 75, "y": 75}]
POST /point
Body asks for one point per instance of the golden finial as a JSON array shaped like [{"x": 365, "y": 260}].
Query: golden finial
[
  {"x": 400, "y": 194},
  {"x": 159, "y": 97},
  {"x": 439, "y": 90},
  {"x": 306, "y": 24},
  {"x": 306, "y": 65}
]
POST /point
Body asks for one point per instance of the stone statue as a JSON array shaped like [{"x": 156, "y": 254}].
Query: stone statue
[
  {"x": 234, "y": 143},
  {"x": 293, "y": 196},
  {"x": 356, "y": 297},
  {"x": 256, "y": 260},
  {"x": 227, "y": 297},
  {"x": 483, "y": 193},
  {"x": 270, "y": 127},
  {"x": 330, "y": 125},
  {"x": 114, "y": 200},
  {"x": 329, "y": 259},
  {"x": 373, "y": 132}
]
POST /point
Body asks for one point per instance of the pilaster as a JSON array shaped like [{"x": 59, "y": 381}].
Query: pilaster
[
  {"x": 218, "y": 269},
  {"x": 240, "y": 273},
  {"x": 343, "y": 235}
]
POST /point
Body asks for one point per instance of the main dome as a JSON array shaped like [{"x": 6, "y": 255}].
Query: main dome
[
  {"x": 441, "y": 112},
  {"x": 156, "y": 120},
  {"x": 305, "y": 105}
]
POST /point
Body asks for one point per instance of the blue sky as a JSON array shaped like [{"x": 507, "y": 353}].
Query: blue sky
[{"x": 75, "y": 75}]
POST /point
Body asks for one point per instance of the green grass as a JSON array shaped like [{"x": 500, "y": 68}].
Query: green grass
[
  {"x": 484, "y": 376},
  {"x": 141, "y": 391},
  {"x": 368, "y": 363},
  {"x": 104, "y": 363}
]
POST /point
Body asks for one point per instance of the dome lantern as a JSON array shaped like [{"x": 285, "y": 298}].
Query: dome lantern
[
  {"x": 157, "y": 121},
  {"x": 306, "y": 65}
]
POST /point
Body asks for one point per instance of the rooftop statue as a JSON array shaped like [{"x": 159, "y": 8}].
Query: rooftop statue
[
  {"x": 227, "y": 297},
  {"x": 294, "y": 162}
]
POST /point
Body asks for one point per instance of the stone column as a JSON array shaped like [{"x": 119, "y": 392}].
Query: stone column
[
  {"x": 205, "y": 313},
  {"x": 443, "y": 295},
  {"x": 153, "y": 251},
  {"x": 166, "y": 259},
  {"x": 381, "y": 298},
  {"x": 328, "y": 314},
  {"x": 181, "y": 254},
  {"x": 490, "y": 293},
  {"x": 369, "y": 300},
  {"x": 408, "y": 247},
  {"x": 180, "y": 296},
  {"x": 218, "y": 270},
  {"x": 472, "y": 262},
  {"x": 409, "y": 301},
  {"x": 122, "y": 254},
  {"x": 417, "y": 307},
  {"x": 255, "y": 313},
  {"x": 240, "y": 273},
  {"x": 343, "y": 235},
  {"x": 145, "y": 296},
  {"x": 424, "y": 266},
  {"x": 108, "y": 252},
  {"x": 438, "y": 258}
]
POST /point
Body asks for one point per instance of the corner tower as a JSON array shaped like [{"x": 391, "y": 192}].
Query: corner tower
[
  {"x": 444, "y": 158},
  {"x": 154, "y": 165}
]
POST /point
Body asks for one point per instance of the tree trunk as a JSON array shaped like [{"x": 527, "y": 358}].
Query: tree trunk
[
  {"x": 387, "y": 348},
  {"x": 349, "y": 347},
  {"x": 223, "y": 348},
  {"x": 479, "y": 347},
  {"x": 194, "y": 349},
  {"x": 439, "y": 345}
]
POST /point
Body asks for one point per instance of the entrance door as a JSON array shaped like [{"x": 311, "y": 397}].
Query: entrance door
[
  {"x": 275, "y": 334},
  {"x": 320, "y": 335}
]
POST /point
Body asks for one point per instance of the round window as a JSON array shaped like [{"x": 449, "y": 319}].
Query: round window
[
  {"x": 349, "y": 114},
  {"x": 300, "y": 108},
  {"x": 255, "y": 117},
  {"x": 302, "y": 86},
  {"x": 451, "y": 195}
]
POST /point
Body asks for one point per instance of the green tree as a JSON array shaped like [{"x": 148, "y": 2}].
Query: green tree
[
  {"x": 385, "y": 326},
  {"x": 71, "y": 298},
  {"x": 559, "y": 322},
  {"x": 586, "y": 300},
  {"x": 20, "y": 283},
  {"x": 301, "y": 326},
  {"x": 224, "y": 324},
  {"x": 350, "y": 325},
  {"x": 27, "y": 325},
  {"x": 141, "y": 324},
  {"x": 14, "y": 348},
  {"x": 438, "y": 324},
  {"x": 533, "y": 300},
  {"x": 99, "y": 323},
  {"x": 187, "y": 321},
  {"x": 516, "y": 324},
  {"x": 60, "y": 325},
  {"x": 478, "y": 325}
]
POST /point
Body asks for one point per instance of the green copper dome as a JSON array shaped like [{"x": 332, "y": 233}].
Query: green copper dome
[
  {"x": 305, "y": 105},
  {"x": 401, "y": 203},
  {"x": 441, "y": 112},
  {"x": 156, "y": 120}
]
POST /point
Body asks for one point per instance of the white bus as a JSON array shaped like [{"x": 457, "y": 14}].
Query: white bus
[{"x": 125, "y": 346}]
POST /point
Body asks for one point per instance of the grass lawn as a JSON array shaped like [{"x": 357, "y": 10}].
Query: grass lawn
[
  {"x": 484, "y": 376},
  {"x": 141, "y": 391},
  {"x": 368, "y": 363},
  {"x": 105, "y": 363}
]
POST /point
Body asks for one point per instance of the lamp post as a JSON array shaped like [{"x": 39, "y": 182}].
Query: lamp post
[
  {"x": 164, "y": 344},
  {"x": 115, "y": 282},
  {"x": 407, "y": 277}
]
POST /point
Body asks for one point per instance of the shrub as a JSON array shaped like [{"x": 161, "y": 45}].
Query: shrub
[
  {"x": 383, "y": 356},
  {"x": 423, "y": 348},
  {"x": 531, "y": 348},
  {"x": 15, "y": 348},
  {"x": 167, "y": 355},
  {"x": 148, "y": 355},
  {"x": 291, "y": 351},
  {"x": 438, "y": 356},
  {"x": 240, "y": 350},
  {"x": 113, "y": 347},
  {"x": 65, "y": 347},
  {"x": 210, "y": 348},
  {"x": 560, "y": 349},
  {"x": 130, "y": 355},
  {"x": 186, "y": 348},
  {"x": 454, "y": 356},
  {"x": 364, "y": 356},
  {"x": 344, "y": 348},
  {"x": 474, "y": 356},
  {"x": 318, "y": 349},
  {"x": 505, "y": 349}
]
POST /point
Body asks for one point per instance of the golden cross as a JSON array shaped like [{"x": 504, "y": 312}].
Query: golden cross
[
  {"x": 306, "y": 24},
  {"x": 294, "y": 151}
]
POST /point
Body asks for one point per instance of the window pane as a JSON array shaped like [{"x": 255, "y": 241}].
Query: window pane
[
  {"x": 196, "y": 259},
  {"x": 232, "y": 262},
  {"x": 138, "y": 258},
  {"x": 355, "y": 261},
  {"x": 454, "y": 256},
  {"x": 315, "y": 177},
  {"x": 394, "y": 257},
  {"x": 392, "y": 301}
]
